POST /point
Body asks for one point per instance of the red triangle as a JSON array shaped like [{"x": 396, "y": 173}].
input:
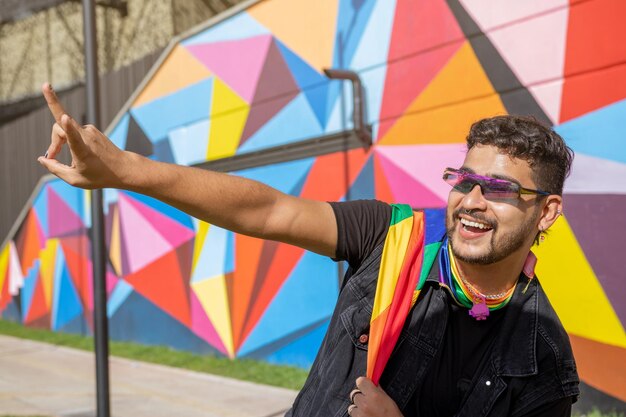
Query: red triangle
[
  {"x": 5, "y": 297},
  {"x": 161, "y": 282},
  {"x": 38, "y": 307},
  {"x": 416, "y": 56}
]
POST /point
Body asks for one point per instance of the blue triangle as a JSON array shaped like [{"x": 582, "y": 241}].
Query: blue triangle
[
  {"x": 313, "y": 84},
  {"x": 212, "y": 259},
  {"x": 352, "y": 21},
  {"x": 139, "y": 320},
  {"x": 30, "y": 283},
  {"x": 162, "y": 151},
  {"x": 66, "y": 304},
  {"x": 600, "y": 133},
  {"x": 285, "y": 176},
  {"x": 183, "y": 107},
  {"x": 119, "y": 294},
  {"x": 229, "y": 259},
  {"x": 300, "y": 352},
  {"x": 363, "y": 186},
  {"x": 300, "y": 302},
  {"x": 41, "y": 208},
  {"x": 189, "y": 143},
  {"x": 120, "y": 132},
  {"x": 293, "y": 123}
]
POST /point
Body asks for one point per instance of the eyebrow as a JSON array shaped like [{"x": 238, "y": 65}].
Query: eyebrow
[{"x": 496, "y": 176}]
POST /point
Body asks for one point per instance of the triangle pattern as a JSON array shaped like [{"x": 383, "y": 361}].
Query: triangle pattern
[
  {"x": 351, "y": 23},
  {"x": 137, "y": 228},
  {"x": 66, "y": 305},
  {"x": 213, "y": 296},
  {"x": 161, "y": 282},
  {"x": 189, "y": 143},
  {"x": 407, "y": 189},
  {"x": 211, "y": 260},
  {"x": 40, "y": 206},
  {"x": 239, "y": 63},
  {"x": 48, "y": 263},
  {"x": 115, "y": 245},
  {"x": 16, "y": 277},
  {"x": 137, "y": 141},
  {"x": 383, "y": 189},
  {"x": 4, "y": 272},
  {"x": 30, "y": 241},
  {"x": 174, "y": 232},
  {"x": 492, "y": 14},
  {"x": 202, "y": 326},
  {"x": 28, "y": 291},
  {"x": 237, "y": 27},
  {"x": 459, "y": 95},
  {"x": 294, "y": 28},
  {"x": 589, "y": 176},
  {"x": 548, "y": 96},
  {"x": 38, "y": 308},
  {"x": 179, "y": 70},
  {"x": 77, "y": 257},
  {"x": 597, "y": 321},
  {"x": 425, "y": 163}
]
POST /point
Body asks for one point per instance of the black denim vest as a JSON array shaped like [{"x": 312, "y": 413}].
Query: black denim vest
[{"x": 531, "y": 362}]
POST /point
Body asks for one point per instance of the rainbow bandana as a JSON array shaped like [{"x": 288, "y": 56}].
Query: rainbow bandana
[{"x": 407, "y": 257}]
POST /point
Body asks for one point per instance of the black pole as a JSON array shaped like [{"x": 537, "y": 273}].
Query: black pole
[{"x": 100, "y": 319}]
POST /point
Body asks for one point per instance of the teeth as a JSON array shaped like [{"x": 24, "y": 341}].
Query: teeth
[{"x": 482, "y": 226}]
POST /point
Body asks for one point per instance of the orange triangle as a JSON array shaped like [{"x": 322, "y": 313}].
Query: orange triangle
[
  {"x": 601, "y": 366},
  {"x": 284, "y": 260},
  {"x": 38, "y": 308},
  {"x": 383, "y": 190},
  {"x": 161, "y": 282},
  {"x": 179, "y": 70},
  {"x": 459, "y": 95},
  {"x": 247, "y": 255},
  {"x": 75, "y": 249},
  {"x": 30, "y": 242},
  {"x": 322, "y": 183}
]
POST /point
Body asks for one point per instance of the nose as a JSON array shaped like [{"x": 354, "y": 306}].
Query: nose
[{"x": 474, "y": 200}]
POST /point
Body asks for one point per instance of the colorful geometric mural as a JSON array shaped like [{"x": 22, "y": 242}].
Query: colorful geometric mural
[{"x": 253, "y": 81}]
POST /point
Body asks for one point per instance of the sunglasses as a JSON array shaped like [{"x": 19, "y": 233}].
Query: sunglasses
[{"x": 492, "y": 188}]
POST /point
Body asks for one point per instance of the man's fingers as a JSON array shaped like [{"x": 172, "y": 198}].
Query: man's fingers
[
  {"x": 72, "y": 131},
  {"x": 54, "y": 105},
  {"x": 60, "y": 170},
  {"x": 57, "y": 139},
  {"x": 365, "y": 384}
]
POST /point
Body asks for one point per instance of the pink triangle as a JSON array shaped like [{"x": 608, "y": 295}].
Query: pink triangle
[
  {"x": 202, "y": 326},
  {"x": 549, "y": 95},
  {"x": 406, "y": 189},
  {"x": 147, "y": 245},
  {"x": 174, "y": 232},
  {"x": 545, "y": 61},
  {"x": 489, "y": 14},
  {"x": 62, "y": 220},
  {"x": 238, "y": 63},
  {"x": 425, "y": 163}
]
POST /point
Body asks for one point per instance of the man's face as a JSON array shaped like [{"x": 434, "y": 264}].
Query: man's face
[{"x": 505, "y": 227}]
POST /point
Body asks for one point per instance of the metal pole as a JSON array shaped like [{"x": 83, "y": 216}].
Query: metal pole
[{"x": 100, "y": 319}]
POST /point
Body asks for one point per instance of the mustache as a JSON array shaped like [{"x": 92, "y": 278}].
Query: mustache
[{"x": 476, "y": 216}]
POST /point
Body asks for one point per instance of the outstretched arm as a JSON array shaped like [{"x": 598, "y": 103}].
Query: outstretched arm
[{"x": 234, "y": 203}]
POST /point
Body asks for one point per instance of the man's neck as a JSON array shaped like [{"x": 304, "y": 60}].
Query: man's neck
[{"x": 497, "y": 277}]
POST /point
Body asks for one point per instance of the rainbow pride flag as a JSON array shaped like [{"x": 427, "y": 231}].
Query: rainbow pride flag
[{"x": 406, "y": 261}]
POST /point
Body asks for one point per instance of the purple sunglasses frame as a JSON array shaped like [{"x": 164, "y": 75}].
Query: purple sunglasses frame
[{"x": 484, "y": 184}]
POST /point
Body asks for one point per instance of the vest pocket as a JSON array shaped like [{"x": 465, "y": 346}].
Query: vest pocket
[{"x": 356, "y": 322}]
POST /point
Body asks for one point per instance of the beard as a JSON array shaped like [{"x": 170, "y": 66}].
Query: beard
[{"x": 499, "y": 247}]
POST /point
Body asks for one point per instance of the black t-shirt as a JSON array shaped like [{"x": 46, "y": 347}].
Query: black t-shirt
[{"x": 362, "y": 226}]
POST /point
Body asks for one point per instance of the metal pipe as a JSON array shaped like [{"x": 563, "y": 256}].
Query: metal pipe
[
  {"x": 100, "y": 319},
  {"x": 358, "y": 114}
]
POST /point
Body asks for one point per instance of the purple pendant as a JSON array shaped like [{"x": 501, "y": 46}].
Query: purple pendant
[{"x": 479, "y": 310}]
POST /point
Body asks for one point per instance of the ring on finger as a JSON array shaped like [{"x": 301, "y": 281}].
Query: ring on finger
[
  {"x": 353, "y": 394},
  {"x": 351, "y": 408}
]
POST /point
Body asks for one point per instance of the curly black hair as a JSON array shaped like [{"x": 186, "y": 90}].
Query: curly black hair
[{"x": 526, "y": 138}]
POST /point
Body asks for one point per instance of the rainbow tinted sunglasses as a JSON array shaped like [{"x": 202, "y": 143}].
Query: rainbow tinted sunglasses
[{"x": 492, "y": 188}]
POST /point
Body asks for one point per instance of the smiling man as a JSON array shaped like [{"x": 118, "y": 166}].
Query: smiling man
[{"x": 473, "y": 333}]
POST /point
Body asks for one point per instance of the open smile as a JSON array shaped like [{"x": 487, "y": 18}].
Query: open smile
[{"x": 472, "y": 228}]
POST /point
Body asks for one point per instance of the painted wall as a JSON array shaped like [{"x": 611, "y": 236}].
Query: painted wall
[{"x": 252, "y": 81}]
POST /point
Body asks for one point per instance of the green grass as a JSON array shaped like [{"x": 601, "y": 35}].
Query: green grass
[
  {"x": 597, "y": 413},
  {"x": 244, "y": 369}
]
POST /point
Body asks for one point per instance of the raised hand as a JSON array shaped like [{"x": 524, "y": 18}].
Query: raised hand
[
  {"x": 368, "y": 400},
  {"x": 96, "y": 161}
]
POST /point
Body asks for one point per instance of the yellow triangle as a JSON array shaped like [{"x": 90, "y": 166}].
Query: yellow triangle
[
  {"x": 229, "y": 113},
  {"x": 574, "y": 290},
  {"x": 48, "y": 263},
  {"x": 201, "y": 233},
  {"x": 306, "y": 29},
  {"x": 179, "y": 70},
  {"x": 213, "y": 296},
  {"x": 115, "y": 247},
  {"x": 4, "y": 263},
  {"x": 459, "y": 95}
]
